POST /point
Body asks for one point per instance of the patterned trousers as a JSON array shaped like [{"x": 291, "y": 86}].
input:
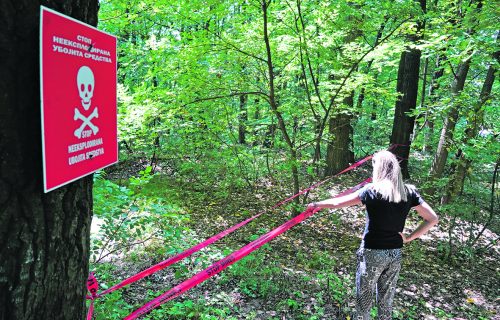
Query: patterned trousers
[{"x": 377, "y": 272}]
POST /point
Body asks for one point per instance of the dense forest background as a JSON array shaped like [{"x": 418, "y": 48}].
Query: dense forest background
[{"x": 227, "y": 107}]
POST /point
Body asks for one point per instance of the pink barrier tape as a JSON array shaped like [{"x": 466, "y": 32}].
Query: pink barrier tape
[
  {"x": 355, "y": 188},
  {"x": 91, "y": 310},
  {"x": 228, "y": 260},
  {"x": 351, "y": 167},
  {"x": 217, "y": 237},
  {"x": 204, "y": 244},
  {"x": 92, "y": 287},
  {"x": 178, "y": 257}
]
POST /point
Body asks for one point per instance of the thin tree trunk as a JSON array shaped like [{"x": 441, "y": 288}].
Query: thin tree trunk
[
  {"x": 492, "y": 203},
  {"x": 274, "y": 105},
  {"x": 242, "y": 119},
  {"x": 156, "y": 147},
  {"x": 256, "y": 116},
  {"x": 433, "y": 87},
  {"x": 373, "y": 111},
  {"x": 361, "y": 97},
  {"x": 270, "y": 135},
  {"x": 450, "y": 121},
  {"x": 304, "y": 55},
  {"x": 422, "y": 99},
  {"x": 154, "y": 158},
  {"x": 463, "y": 164},
  {"x": 446, "y": 136},
  {"x": 45, "y": 237}
]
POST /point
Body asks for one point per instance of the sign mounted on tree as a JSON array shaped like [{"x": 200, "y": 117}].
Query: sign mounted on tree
[{"x": 78, "y": 99}]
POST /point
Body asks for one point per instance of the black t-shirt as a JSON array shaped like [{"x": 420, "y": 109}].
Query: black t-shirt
[{"x": 384, "y": 219}]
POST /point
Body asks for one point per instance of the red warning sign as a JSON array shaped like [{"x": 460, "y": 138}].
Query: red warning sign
[{"x": 78, "y": 98}]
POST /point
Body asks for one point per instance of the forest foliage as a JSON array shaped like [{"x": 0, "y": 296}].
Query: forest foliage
[{"x": 223, "y": 96}]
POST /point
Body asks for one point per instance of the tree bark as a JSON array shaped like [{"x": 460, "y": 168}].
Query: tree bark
[
  {"x": 44, "y": 238},
  {"x": 407, "y": 87}
]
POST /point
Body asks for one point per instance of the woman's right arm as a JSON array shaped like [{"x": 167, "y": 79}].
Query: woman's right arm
[
  {"x": 335, "y": 203},
  {"x": 430, "y": 219}
]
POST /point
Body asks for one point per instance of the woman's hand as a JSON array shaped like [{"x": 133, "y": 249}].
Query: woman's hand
[
  {"x": 405, "y": 239},
  {"x": 312, "y": 205}
]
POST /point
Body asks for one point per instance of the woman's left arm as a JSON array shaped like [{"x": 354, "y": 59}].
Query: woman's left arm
[
  {"x": 430, "y": 219},
  {"x": 340, "y": 202}
]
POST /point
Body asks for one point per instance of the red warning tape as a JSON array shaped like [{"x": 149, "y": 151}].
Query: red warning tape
[
  {"x": 209, "y": 241},
  {"x": 92, "y": 287},
  {"x": 213, "y": 239},
  {"x": 228, "y": 260}
]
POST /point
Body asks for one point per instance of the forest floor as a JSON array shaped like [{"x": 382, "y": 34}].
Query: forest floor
[{"x": 308, "y": 272}]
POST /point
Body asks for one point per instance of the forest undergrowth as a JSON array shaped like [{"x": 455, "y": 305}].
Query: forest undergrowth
[{"x": 306, "y": 273}]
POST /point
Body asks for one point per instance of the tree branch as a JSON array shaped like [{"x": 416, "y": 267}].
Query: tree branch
[
  {"x": 227, "y": 96},
  {"x": 122, "y": 247}
]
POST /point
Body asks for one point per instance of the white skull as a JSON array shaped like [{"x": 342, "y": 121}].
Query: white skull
[{"x": 85, "y": 80}]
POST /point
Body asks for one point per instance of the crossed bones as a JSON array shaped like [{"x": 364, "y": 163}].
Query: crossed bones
[{"x": 86, "y": 122}]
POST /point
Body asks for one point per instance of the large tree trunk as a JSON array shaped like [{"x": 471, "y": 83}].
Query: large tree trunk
[
  {"x": 339, "y": 154},
  {"x": 44, "y": 238},
  {"x": 407, "y": 87},
  {"x": 450, "y": 121}
]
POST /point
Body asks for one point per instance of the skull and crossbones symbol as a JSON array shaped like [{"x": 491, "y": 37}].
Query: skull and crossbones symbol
[{"x": 86, "y": 84}]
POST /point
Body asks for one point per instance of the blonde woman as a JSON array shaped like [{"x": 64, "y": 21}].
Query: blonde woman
[{"x": 388, "y": 201}]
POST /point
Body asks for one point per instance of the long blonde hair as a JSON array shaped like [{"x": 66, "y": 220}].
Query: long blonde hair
[{"x": 387, "y": 178}]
